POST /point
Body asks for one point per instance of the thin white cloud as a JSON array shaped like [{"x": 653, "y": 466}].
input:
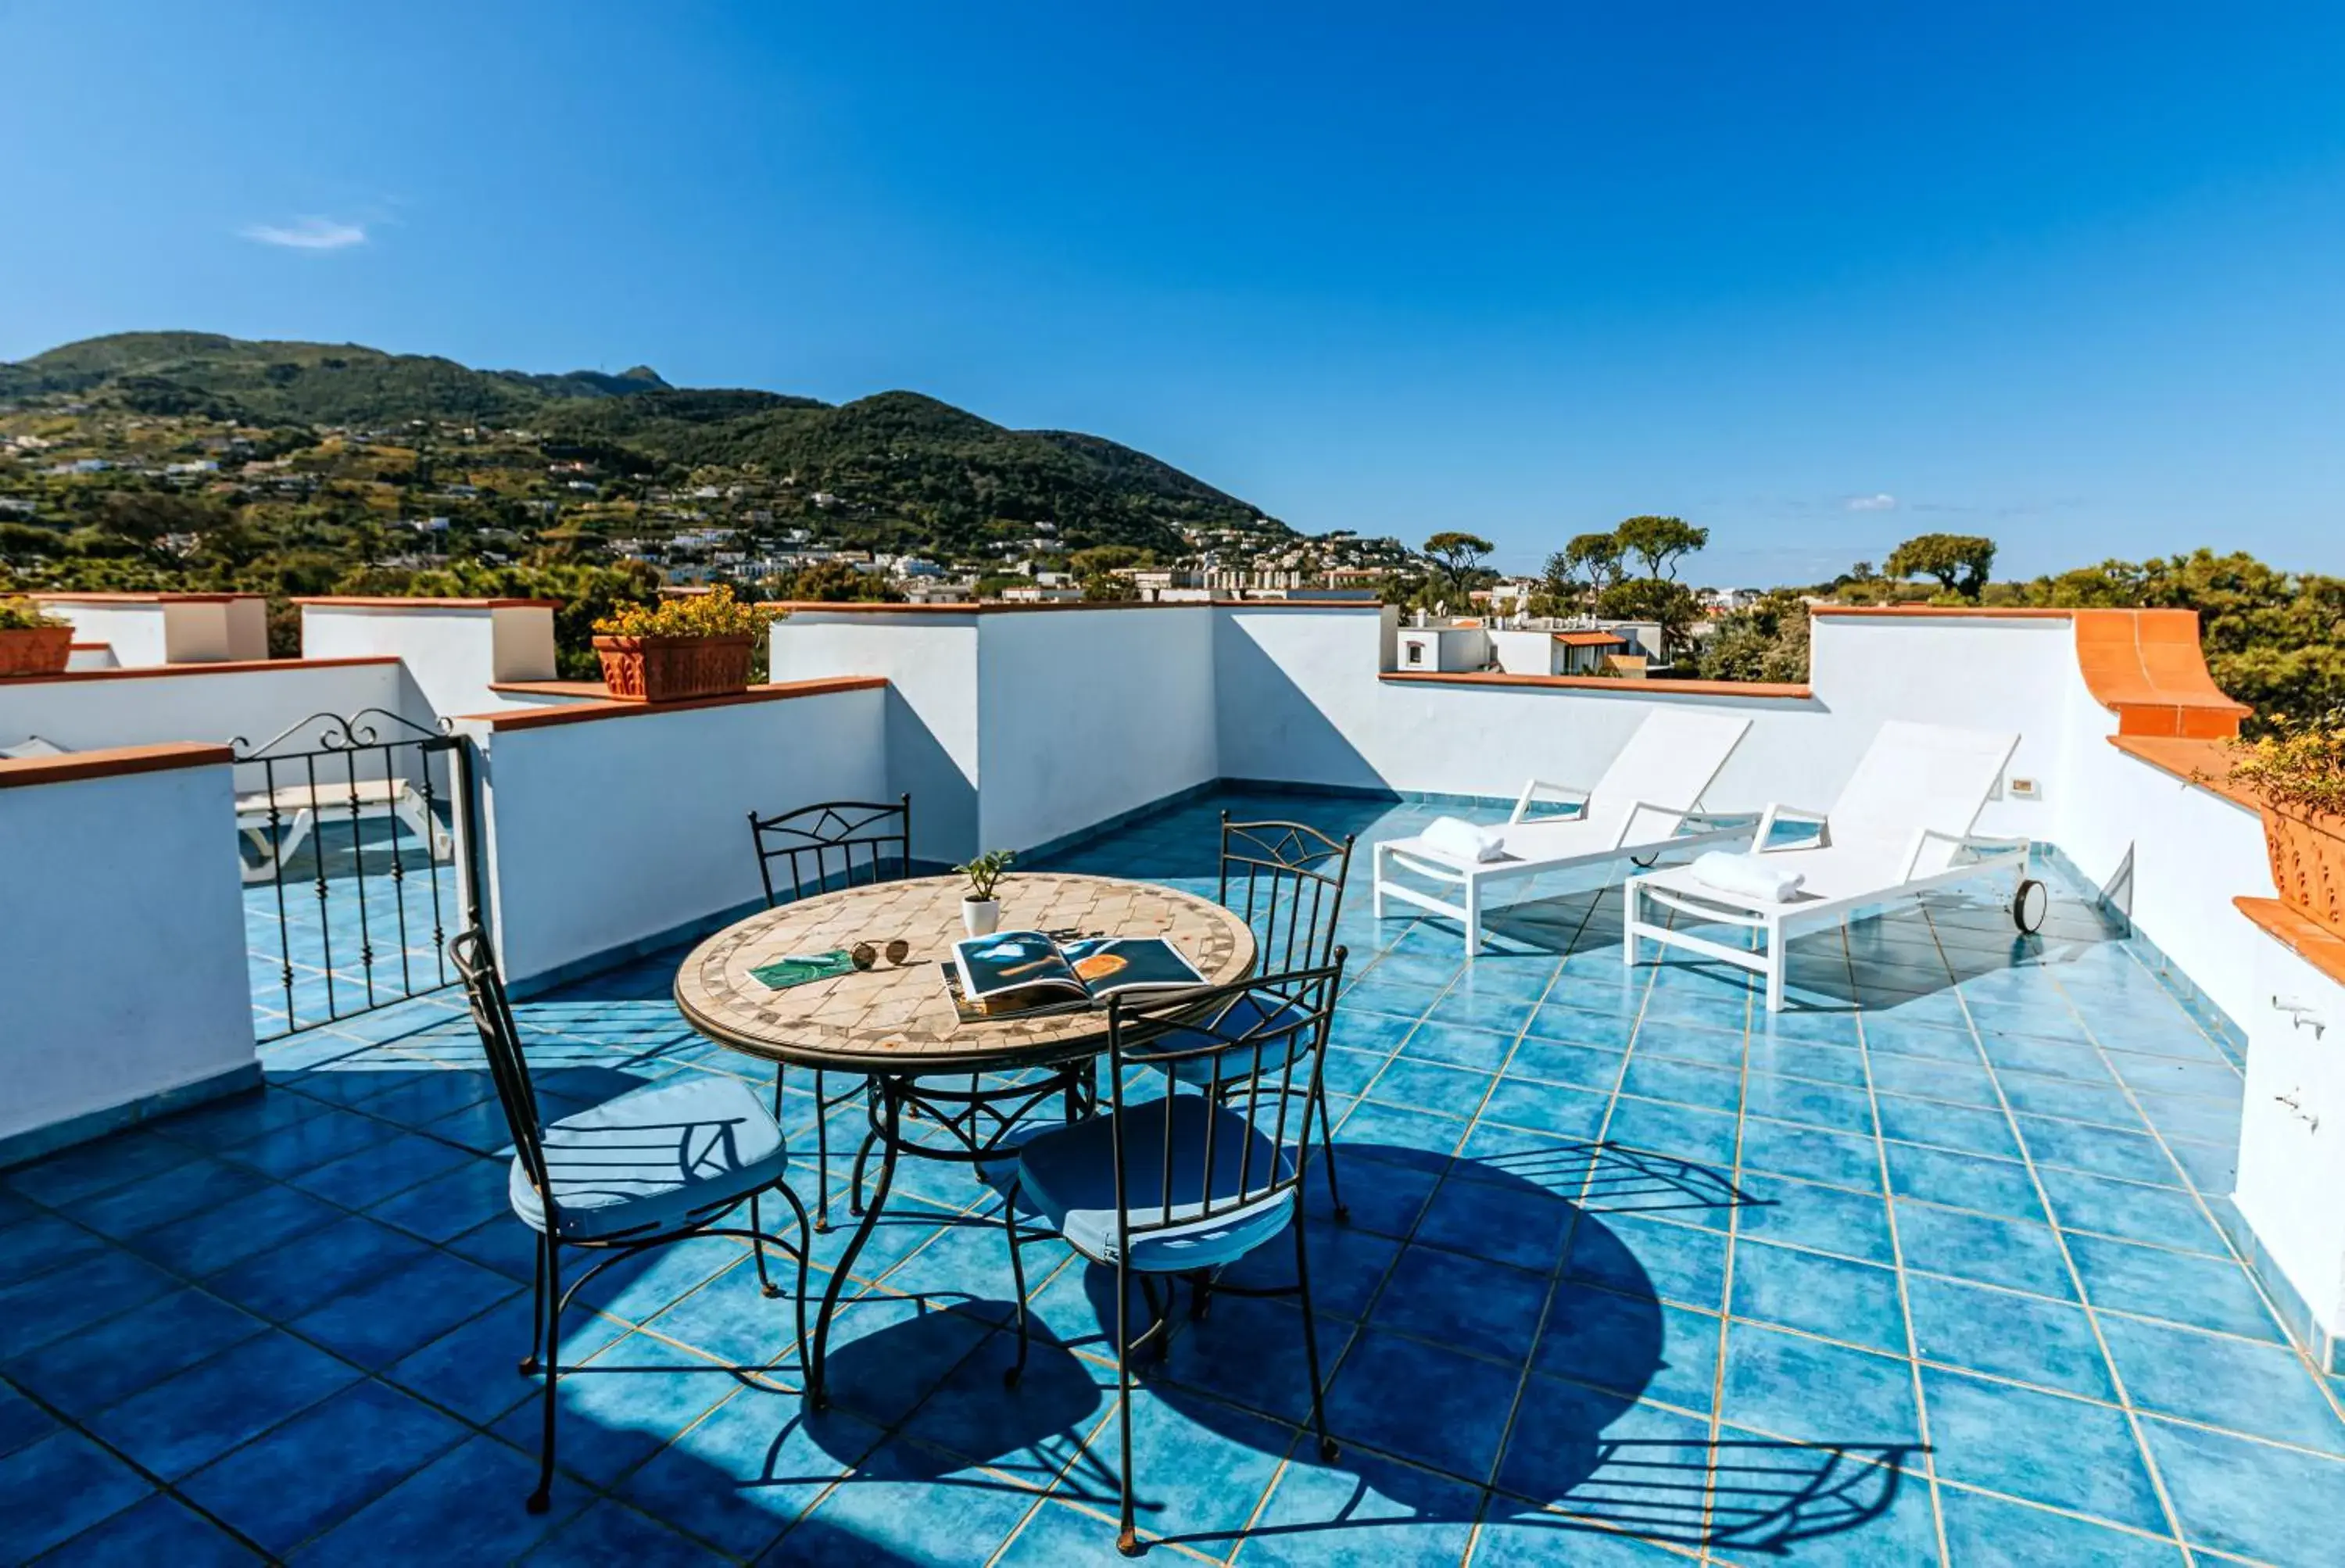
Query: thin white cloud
[
  {"x": 1883, "y": 501},
  {"x": 308, "y": 234}
]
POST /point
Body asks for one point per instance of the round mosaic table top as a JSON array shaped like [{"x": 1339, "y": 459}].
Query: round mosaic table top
[{"x": 901, "y": 1018}]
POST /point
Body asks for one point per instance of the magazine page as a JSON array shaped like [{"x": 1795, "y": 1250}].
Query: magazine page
[
  {"x": 1105, "y": 966},
  {"x": 1000, "y": 968}
]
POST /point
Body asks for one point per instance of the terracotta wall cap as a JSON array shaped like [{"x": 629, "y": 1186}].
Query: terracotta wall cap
[
  {"x": 514, "y": 718},
  {"x": 111, "y": 762},
  {"x": 1616, "y": 685},
  {"x": 224, "y": 667},
  {"x": 395, "y": 602}
]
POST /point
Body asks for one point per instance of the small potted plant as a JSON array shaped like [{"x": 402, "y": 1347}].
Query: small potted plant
[
  {"x": 980, "y": 912},
  {"x": 33, "y": 641},
  {"x": 2298, "y": 772},
  {"x": 698, "y": 644}
]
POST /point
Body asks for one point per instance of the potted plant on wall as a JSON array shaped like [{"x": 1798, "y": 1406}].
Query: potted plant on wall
[
  {"x": 698, "y": 644},
  {"x": 980, "y": 912},
  {"x": 2298, "y": 773},
  {"x": 33, "y": 641}
]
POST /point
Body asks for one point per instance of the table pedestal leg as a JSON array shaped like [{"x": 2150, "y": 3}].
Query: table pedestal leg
[{"x": 817, "y": 1393}]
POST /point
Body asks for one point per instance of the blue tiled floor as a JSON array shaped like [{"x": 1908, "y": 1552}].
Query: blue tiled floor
[
  {"x": 318, "y": 952},
  {"x": 1932, "y": 1267}
]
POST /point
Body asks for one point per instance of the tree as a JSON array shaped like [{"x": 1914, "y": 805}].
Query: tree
[
  {"x": 829, "y": 583},
  {"x": 1107, "y": 559},
  {"x": 1670, "y": 605},
  {"x": 1593, "y": 557},
  {"x": 1959, "y": 561},
  {"x": 1460, "y": 555},
  {"x": 1767, "y": 641},
  {"x": 1658, "y": 542},
  {"x": 1109, "y": 588}
]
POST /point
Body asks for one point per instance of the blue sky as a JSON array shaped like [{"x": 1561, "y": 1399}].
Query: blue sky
[{"x": 1818, "y": 276}]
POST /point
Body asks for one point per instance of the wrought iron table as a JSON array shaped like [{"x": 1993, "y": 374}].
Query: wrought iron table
[{"x": 897, "y": 1023}]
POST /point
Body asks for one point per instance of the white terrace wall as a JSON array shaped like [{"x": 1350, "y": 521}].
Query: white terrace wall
[
  {"x": 82, "y": 711},
  {"x": 169, "y": 628},
  {"x": 122, "y": 948},
  {"x": 624, "y": 830},
  {"x": 453, "y": 648}
]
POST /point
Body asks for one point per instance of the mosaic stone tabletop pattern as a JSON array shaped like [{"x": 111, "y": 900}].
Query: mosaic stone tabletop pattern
[{"x": 902, "y": 1013}]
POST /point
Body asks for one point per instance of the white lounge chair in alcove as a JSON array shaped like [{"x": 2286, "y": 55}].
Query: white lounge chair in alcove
[
  {"x": 1643, "y": 807},
  {"x": 1902, "y": 826}
]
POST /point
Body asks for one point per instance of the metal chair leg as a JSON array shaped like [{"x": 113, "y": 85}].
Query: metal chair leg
[
  {"x": 1328, "y": 1449},
  {"x": 758, "y": 1246},
  {"x": 1327, "y": 1143},
  {"x": 530, "y": 1363},
  {"x": 805, "y": 1249},
  {"x": 822, "y": 1155},
  {"x": 543, "y": 1497},
  {"x": 1127, "y": 1538},
  {"x": 1017, "y": 1279}
]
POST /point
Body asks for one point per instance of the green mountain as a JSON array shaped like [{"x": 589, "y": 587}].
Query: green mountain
[{"x": 910, "y": 472}]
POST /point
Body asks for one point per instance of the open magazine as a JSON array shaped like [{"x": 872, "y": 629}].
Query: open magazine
[{"x": 1016, "y": 971}]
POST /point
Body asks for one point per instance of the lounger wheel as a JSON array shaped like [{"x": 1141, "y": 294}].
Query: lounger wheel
[
  {"x": 2027, "y": 906},
  {"x": 1644, "y": 862}
]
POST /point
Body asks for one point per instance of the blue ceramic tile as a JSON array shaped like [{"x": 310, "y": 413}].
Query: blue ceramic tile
[
  {"x": 296, "y": 1275},
  {"x": 192, "y": 1417},
  {"x": 376, "y": 1324},
  {"x": 2012, "y": 1253},
  {"x": 1838, "y": 1159},
  {"x": 1200, "y": 1469},
  {"x": 158, "y": 1531},
  {"x": 2104, "y": 1106},
  {"x": 57, "y": 1487},
  {"x": 1708, "y": 1136},
  {"x": 1832, "y": 1506},
  {"x": 321, "y": 1465},
  {"x": 1822, "y": 1218},
  {"x": 1536, "y": 1538},
  {"x": 1578, "y": 1024},
  {"x": 1651, "y": 1259},
  {"x": 1588, "y": 1451},
  {"x": 751, "y": 1469},
  {"x": 1960, "y": 1083},
  {"x": 1899, "y": 1034},
  {"x": 1997, "y": 1532},
  {"x": 2242, "y": 1385},
  {"x": 1551, "y": 1109},
  {"x": 1837, "y": 1107},
  {"x": 2237, "y": 1495},
  {"x": 392, "y": 1166},
  {"x": 2212, "y": 1168},
  {"x": 1854, "y": 1302},
  {"x": 2045, "y": 1448},
  {"x": 1638, "y": 1347},
  {"x": 473, "y": 1495},
  {"x": 1481, "y": 1009},
  {"x": 2191, "y": 1116},
  {"x": 44, "y": 1242},
  {"x": 611, "y": 1535},
  {"x": 1482, "y": 1049},
  {"x": 1463, "y": 1302},
  {"x": 1963, "y": 1181},
  {"x": 2007, "y": 1334},
  {"x": 1393, "y": 1127},
  {"x": 1420, "y": 1402},
  {"x": 309, "y": 1142},
  {"x": 1360, "y": 1509},
  {"x": 1678, "y": 1041},
  {"x": 2099, "y": 1151},
  {"x": 64, "y": 1180},
  {"x": 83, "y": 1373},
  {"x": 190, "y": 1188},
  {"x": 1957, "y": 1128},
  {"x": 2163, "y": 1216},
  {"x": 2078, "y": 1062},
  {"x": 1511, "y": 1226},
  {"x": 620, "y": 1405},
  {"x": 1561, "y": 1061},
  {"x": 1684, "y": 1083},
  {"x": 1790, "y": 1386},
  {"x": 49, "y": 1307},
  {"x": 1430, "y": 1086},
  {"x": 2181, "y": 1288},
  {"x": 22, "y": 1422}
]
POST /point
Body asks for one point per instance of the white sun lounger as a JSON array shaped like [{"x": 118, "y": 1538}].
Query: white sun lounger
[
  {"x": 1902, "y": 825},
  {"x": 1642, "y": 808},
  {"x": 298, "y": 807}
]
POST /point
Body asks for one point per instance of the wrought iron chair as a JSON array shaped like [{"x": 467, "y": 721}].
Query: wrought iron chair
[
  {"x": 1285, "y": 881},
  {"x": 1186, "y": 1183},
  {"x": 819, "y": 846},
  {"x": 660, "y": 1164}
]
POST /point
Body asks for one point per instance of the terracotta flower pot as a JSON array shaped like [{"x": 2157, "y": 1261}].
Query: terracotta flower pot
[
  {"x": 2308, "y": 862},
  {"x": 36, "y": 650},
  {"x": 669, "y": 669}
]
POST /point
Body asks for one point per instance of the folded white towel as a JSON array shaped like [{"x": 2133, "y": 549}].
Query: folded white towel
[
  {"x": 1462, "y": 840},
  {"x": 1749, "y": 875}
]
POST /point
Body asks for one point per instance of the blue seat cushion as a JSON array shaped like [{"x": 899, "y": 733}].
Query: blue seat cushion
[
  {"x": 654, "y": 1159},
  {"x": 1068, "y": 1175},
  {"x": 1275, "y": 1029}
]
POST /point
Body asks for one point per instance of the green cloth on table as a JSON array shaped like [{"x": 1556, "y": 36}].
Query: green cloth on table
[{"x": 800, "y": 969}]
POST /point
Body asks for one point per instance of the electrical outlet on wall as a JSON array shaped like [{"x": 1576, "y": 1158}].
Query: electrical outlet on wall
[{"x": 2022, "y": 789}]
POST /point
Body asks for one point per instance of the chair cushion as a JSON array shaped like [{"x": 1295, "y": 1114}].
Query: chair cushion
[
  {"x": 1249, "y": 1014},
  {"x": 654, "y": 1159},
  {"x": 1069, "y": 1174}
]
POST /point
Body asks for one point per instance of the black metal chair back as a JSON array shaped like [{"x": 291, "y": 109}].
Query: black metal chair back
[
  {"x": 485, "y": 989},
  {"x": 1264, "y": 1040},
  {"x": 1285, "y": 881},
  {"x": 837, "y": 844}
]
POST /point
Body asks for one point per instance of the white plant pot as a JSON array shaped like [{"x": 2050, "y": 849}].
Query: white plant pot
[{"x": 980, "y": 917}]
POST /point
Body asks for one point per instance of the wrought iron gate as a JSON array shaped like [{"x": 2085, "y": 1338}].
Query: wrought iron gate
[{"x": 355, "y": 840}]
